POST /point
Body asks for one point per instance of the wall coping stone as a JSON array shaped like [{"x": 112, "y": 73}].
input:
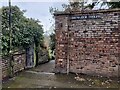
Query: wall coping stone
[{"x": 85, "y": 12}]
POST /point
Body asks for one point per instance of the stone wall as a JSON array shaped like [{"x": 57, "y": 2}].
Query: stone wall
[
  {"x": 88, "y": 42},
  {"x": 18, "y": 65}
]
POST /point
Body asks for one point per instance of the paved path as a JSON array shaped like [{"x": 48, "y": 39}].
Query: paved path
[
  {"x": 47, "y": 67},
  {"x": 43, "y": 77}
]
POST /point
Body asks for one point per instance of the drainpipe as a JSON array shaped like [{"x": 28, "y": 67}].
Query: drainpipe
[
  {"x": 10, "y": 30},
  {"x": 68, "y": 61},
  {"x": 10, "y": 40}
]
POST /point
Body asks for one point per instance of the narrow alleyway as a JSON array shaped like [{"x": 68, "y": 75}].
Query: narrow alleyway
[{"x": 43, "y": 76}]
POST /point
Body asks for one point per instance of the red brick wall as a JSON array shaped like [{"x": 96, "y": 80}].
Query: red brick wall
[
  {"x": 61, "y": 44},
  {"x": 19, "y": 64},
  {"x": 5, "y": 67},
  {"x": 89, "y": 46}
]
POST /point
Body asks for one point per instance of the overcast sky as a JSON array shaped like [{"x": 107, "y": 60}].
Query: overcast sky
[{"x": 37, "y": 10}]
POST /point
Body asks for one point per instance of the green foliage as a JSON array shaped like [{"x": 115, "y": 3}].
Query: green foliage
[
  {"x": 110, "y": 4},
  {"x": 25, "y": 31},
  {"x": 52, "y": 46},
  {"x": 91, "y": 6},
  {"x": 73, "y": 5},
  {"x": 114, "y": 4},
  {"x": 52, "y": 43},
  {"x": 79, "y": 4}
]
